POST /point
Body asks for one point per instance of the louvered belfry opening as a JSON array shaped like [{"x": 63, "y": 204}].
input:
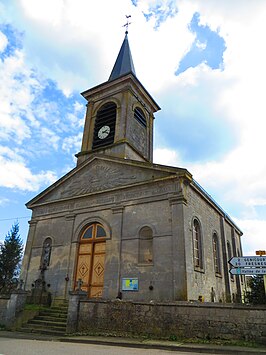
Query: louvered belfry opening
[
  {"x": 106, "y": 116},
  {"x": 139, "y": 116}
]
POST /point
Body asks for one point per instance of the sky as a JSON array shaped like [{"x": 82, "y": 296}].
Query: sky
[{"x": 202, "y": 61}]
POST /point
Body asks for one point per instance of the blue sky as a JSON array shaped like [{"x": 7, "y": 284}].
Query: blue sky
[{"x": 202, "y": 61}]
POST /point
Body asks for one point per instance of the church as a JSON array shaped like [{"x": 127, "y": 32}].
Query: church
[{"x": 120, "y": 226}]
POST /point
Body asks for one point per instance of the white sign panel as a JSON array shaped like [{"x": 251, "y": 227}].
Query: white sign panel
[
  {"x": 248, "y": 261},
  {"x": 248, "y": 271}
]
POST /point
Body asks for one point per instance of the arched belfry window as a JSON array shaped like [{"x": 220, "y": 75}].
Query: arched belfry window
[
  {"x": 104, "y": 128},
  {"x": 216, "y": 254},
  {"x": 197, "y": 245},
  {"x": 46, "y": 253},
  {"x": 146, "y": 246},
  {"x": 139, "y": 116}
]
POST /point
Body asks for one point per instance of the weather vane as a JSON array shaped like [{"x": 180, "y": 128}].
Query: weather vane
[{"x": 127, "y": 24}]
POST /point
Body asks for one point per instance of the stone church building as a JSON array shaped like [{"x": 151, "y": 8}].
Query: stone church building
[{"x": 118, "y": 225}]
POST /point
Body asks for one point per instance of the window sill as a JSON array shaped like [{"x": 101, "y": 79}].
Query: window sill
[
  {"x": 217, "y": 274},
  {"x": 145, "y": 264},
  {"x": 198, "y": 269}
]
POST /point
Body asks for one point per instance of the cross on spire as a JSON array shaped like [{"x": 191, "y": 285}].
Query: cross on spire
[{"x": 127, "y": 24}]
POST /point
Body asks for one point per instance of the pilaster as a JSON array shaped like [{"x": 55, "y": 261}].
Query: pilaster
[
  {"x": 225, "y": 262},
  {"x": 70, "y": 218},
  {"x": 237, "y": 277},
  {"x": 177, "y": 205},
  {"x": 113, "y": 256},
  {"x": 28, "y": 251}
]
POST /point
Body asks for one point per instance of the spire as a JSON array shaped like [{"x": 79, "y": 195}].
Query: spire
[{"x": 124, "y": 63}]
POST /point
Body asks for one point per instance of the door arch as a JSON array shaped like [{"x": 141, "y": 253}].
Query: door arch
[{"x": 90, "y": 260}]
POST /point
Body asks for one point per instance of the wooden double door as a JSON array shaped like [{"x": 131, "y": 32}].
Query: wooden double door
[{"x": 90, "y": 261}]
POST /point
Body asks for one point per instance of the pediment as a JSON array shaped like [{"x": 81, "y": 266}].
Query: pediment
[{"x": 99, "y": 175}]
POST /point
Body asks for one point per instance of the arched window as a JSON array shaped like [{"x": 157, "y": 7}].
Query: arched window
[
  {"x": 229, "y": 255},
  {"x": 197, "y": 245},
  {"x": 145, "y": 246},
  {"x": 216, "y": 254},
  {"x": 93, "y": 232},
  {"x": 139, "y": 116},
  {"x": 46, "y": 253},
  {"x": 104, "y": 128}
]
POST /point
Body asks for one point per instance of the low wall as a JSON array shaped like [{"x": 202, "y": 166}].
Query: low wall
[
  {"x": 4, "y": 302},
  {"x": 11, "y": 306},
  {"x": 181, "y": 319}
]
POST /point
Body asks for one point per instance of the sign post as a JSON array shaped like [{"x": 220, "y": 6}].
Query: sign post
[{"x": 250, "y": 265}]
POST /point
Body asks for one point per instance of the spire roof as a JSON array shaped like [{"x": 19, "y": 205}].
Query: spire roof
[{"x": 124, "y": 63}]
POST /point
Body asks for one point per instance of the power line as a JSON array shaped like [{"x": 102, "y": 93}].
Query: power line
[{"x": 14, "y": 218}]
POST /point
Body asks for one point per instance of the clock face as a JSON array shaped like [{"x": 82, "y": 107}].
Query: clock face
[{"x": 103, "y": 132}]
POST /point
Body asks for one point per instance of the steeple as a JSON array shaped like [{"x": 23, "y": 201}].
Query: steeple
[
  {"x": 124, "y": 62},
  {"x": 120, "y": 114}
]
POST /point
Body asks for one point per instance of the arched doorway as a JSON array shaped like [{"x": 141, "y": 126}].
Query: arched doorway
[{"x": 90, "y": 261}]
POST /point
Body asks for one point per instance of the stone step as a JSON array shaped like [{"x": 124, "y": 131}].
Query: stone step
[
  {"x": 52, "y": 317},
  {"x": 53, "y": 312},
  {"x": 62, "y": 307},
  {"x": 49, "y": 321},
  {"x": 40, "y": 326},
  {"x": 41, "y": 330},
  {"x": 45, "y": 322}
]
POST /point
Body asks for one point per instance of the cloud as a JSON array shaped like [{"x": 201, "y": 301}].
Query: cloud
[
  {"x": 50, "y": 137},
  {"x": 254, "y": 234},
  {"x": 15, "y": 174},
  {"x": 4, "y": 201},
  {"x": 72, "y": 143},
  {"x": 3, "y": 42},
  {"x": 166, "y": 156},
  {"x": 212, "y": 120}
]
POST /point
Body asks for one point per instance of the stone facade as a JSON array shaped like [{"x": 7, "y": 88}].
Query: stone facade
[
  {"x": 163, "y": 199},
  {"x": 123, "y": 226}
]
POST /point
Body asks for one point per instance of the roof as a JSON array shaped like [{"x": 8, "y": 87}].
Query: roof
[{"x": 124, "y": 62}]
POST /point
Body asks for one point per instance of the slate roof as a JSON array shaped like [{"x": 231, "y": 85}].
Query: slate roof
[{"x": 124, "y": 62}]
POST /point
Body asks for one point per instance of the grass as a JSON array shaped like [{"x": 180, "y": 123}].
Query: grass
[
  {"x": 34, "y": 307},
  {"x": 223, "y": 342}
]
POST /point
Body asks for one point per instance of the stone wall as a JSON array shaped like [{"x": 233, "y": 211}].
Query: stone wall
[
  {"x": 11, "y": 306},
  {"x": 201, "y": 282},
  {"x": 4, "y": 301},
  {"x": 181, "y": 319}
]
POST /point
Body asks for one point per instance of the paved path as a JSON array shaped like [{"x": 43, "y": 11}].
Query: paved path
[
  {"x": 16, "y": 343},
  {"x": 10, "y": 346}
]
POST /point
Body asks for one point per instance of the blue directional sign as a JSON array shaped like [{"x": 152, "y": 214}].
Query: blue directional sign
[{"x": 248, "y": 271}]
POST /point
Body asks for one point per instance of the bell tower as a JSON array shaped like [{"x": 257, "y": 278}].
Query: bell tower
[{"x": 120, "y": 114}]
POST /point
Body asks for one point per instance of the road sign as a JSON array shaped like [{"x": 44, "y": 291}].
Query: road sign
[
  {"x": 248, "y": 261},
  {"x": 248, "y": 271},
  {"x": 260, "y": 252}
]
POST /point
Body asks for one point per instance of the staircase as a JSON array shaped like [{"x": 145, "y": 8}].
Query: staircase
[{"x": 50, "y": 321}]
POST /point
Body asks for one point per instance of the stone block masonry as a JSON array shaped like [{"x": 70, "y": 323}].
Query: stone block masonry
[{"x": 164, "y": 320}]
